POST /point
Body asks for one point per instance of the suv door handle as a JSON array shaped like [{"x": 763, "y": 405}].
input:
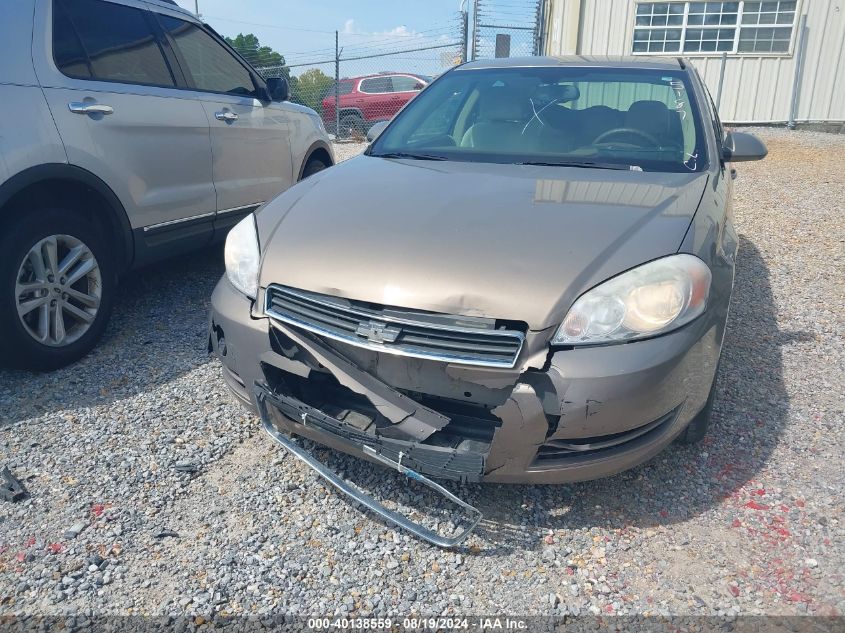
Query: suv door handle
[
  {"x": 78, "y": 107},
  {"x": 225, "y": 116}
]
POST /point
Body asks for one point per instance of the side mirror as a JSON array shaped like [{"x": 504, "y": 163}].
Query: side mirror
[
  {"x": 277, "y": 88},
  {"x": 740, "y": 147},
  {"x": 378, "y": 128}
]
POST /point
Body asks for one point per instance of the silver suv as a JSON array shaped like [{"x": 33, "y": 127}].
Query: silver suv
[{"x": 131, "y": 132}]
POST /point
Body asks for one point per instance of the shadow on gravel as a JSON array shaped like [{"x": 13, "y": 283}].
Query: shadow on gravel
[
  {"x": 751, "y": 411},
  {"x": 156, "y": 333}
]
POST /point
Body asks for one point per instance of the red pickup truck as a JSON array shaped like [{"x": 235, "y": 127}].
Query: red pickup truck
[{"x": 369, "y": 99}]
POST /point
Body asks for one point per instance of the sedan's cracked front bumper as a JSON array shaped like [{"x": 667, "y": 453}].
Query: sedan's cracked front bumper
[{"x": 584, "y": 413}]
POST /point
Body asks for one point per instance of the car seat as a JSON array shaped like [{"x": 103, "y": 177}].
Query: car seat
[{"x": 501, "y": 120}]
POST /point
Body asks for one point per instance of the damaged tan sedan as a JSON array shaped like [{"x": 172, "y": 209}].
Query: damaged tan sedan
[{"x": 525, "y": 278}]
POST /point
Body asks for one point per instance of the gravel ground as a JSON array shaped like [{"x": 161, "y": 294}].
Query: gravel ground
[
  {"x": 185, "y": 506},
  {"x": 346, "y": 150}
]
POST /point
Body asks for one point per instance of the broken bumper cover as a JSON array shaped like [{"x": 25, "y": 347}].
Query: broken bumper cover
[
  {"x": 587, "y": 413},
  {"x": 310, "y": 422}
]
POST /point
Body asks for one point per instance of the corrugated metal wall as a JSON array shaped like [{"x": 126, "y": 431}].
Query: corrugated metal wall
[{"x": 757, "y": 88}]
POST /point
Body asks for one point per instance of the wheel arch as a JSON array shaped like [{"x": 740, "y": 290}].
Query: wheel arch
[
  {"x": 351, "y": 111},
  {"x": 58, "y": 182},
  {"x": 319, "y": 150}
]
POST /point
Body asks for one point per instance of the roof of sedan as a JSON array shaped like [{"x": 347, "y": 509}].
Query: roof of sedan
[{"x": 668, "y": 63}]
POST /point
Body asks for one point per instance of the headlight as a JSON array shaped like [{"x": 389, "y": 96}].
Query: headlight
[
  {"x": 242, "y": 257},
  {"x": 651, "y": 299}
]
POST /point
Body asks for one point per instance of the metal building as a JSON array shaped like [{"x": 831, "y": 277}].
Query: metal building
[{"x": 777, "y": 62}]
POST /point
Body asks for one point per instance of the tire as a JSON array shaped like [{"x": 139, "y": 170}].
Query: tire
[
  {"x": 49, "y": 319},
  {"x": 697, "y": 428},
  {"x": 351, "y": 125},
  {"x": 314, "y": 165}
]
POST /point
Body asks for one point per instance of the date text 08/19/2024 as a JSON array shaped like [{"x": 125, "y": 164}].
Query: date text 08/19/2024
[{"x": 418, "y": 624}]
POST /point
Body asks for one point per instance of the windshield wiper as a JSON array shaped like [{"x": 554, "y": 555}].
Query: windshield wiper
[
  {"x": 586, "y": 165},
  {"x": 409, "y": 155}
]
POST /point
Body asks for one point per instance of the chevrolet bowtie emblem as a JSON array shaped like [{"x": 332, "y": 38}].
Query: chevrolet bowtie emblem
[{"x": 378, "y": 332}]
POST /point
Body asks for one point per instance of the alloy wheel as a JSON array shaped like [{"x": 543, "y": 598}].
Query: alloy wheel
[{"x": 58, "y": 290}]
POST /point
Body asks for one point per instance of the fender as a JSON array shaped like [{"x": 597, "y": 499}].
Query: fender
[
  {"x": 311, "y": 149},
  {"x": 63, "y": 171}
]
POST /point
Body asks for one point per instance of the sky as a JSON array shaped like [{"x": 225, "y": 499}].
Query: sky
[{"x": 303, "y": 31}]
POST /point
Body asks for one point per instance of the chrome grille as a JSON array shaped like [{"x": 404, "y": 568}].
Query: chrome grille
[{"x": 454, "y": 339}]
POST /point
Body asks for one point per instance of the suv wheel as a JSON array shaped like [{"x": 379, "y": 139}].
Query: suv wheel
[
  {"x": 56, "y": 284},
  {"x": 314, "y": 165},
  {"x": 351, "y": 125}
]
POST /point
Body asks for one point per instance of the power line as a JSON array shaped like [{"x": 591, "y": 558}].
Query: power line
[{"x": 269, "y": 26}]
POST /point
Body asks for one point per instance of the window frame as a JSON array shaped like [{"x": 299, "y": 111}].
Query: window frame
[
  {"x": 383, "y": 92},
  {"x": 169, "y": 61},
  {"x": 414, "y": 80},
  {"x": 702, "y": 125},
  {"x": 734, "y": 51},
  {"x": 189, "y": 83},
  {"x": 718, "y": 128}
]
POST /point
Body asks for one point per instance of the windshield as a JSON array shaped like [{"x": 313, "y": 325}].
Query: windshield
[{"x": 594, "y": 117}]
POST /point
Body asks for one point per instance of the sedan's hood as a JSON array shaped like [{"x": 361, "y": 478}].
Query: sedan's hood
[{"x": 502, "y": 241}]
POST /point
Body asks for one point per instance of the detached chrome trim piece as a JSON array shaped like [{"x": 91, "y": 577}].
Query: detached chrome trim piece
[
  {"x": 388, "y": 347},
  {"x": 474, "y": 516}
]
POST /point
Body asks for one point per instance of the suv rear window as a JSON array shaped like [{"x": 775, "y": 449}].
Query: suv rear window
[
  {"x": 93, "y": 39},
  {"x": 376, "y": 84},
  {"x": 401, "y": 83}
]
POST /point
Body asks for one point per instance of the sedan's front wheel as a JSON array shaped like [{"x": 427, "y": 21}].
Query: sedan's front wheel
[{"x": 56, "y": 284}]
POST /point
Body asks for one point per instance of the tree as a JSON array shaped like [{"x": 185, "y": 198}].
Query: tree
[
  {"x": 260, "y": 56},
  {"x": 310, "y": 88}
]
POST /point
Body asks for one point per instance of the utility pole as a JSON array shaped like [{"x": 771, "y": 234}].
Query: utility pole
[
  {"x": 475, "y": 36},
  {"x": 336, "y": 86},
  {"x": 197, "y": 8},
  {"x": 464, "y": 35},
  {"x": 462, "y": 7}
]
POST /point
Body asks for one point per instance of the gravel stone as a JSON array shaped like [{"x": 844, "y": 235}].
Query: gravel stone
[
  {"x": 75, "y": 530},
  {"x": 731, "y": 526}
]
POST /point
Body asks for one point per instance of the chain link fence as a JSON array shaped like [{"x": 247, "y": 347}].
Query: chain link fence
[
  {"x": 358, "y": 80},
  {"x": 507, "y": 28},
  {"x": 355, "y": 80}
]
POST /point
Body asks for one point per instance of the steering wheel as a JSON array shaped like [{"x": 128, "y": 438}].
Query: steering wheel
[{"x": 626, "y": 130}]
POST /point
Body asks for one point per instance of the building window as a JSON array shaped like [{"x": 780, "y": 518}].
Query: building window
[
  {"x": 767, "y": 27},
  {"x": 714, "y": 27}
]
